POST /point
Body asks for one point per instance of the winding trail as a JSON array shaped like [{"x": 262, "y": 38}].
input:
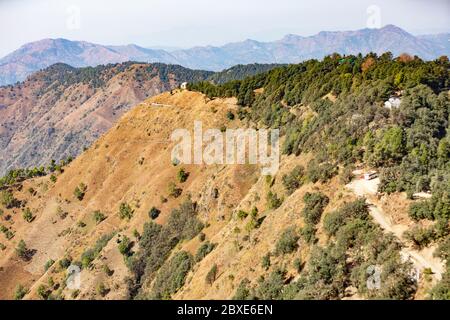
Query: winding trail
[{"x": 421, "y": 259}]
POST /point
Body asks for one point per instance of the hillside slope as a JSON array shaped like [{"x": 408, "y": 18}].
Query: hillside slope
[
  {"x": 58, "y": 111},
  {"x": 216, "y": 245}
]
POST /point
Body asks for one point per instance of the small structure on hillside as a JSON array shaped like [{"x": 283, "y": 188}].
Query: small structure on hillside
[
  {"x": 370, "y": 175},
  {"x": 393, "y": 102},
  {"x": 183, "y": 86}
]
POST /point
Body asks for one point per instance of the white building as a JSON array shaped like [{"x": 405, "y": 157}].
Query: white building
[
  {"x": 393, "y": 102},
  {"x": 183, "y": 86}
]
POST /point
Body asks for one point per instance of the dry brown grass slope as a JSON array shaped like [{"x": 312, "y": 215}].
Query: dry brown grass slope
[{"x": 131, "y": 163}]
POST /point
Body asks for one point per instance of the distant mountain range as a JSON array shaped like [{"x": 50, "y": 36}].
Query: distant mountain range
[{"x": 291, "y": 49}]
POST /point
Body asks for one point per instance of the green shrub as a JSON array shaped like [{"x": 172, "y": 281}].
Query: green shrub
[
  {"x": 125, "y": 246},
  {"x": 80, "y": 191},
  {"x": 102, "y": 290},
  {"x": 230, "y": 115},
  {"x": 98, "y": 216},
  {"x": 20, "y": 292},
  {"x": 204, "y": 250},
  {"x": 182, "y": 175},
  {"x": 65, "y": 262},
  {"x": 90, "y": 254},
  {"x": 154, "y": 213},
  {"x": 174, "y": 191},
  {"x": 43, "y": 292},
  {"x": 336, "y": 219},
  {"x": 320, "y": 171},
  {"x": 172, "y": 275},
  {"x": 157, "y": 242},
  {"x": 272, "y": 287},
  {"x": 273, "y": 201},
  {"x": 125, "y": 211},
  {"x": 308, "y": 232},
  {"x": 7, "y": 199},
  {"x": 22, "y": 251},
  {"x": 265, "y": 261},
  {"x": 314, "y": 206},
  {"x": 211, "y": 275},
  {"x": 243, "y": 292},
  {"x": 242, "y": 214},
  {"x": 293, "y": 180},
  {"x": 48, "y": 264},
  {"x": 27, "y": 215},
  {"x": 287, "y": 243}
]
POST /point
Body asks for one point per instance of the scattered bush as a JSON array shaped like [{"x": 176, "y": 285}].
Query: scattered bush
[
  {"x": 20, "y": 292},
  {"x": 7, "y": 199},
  {"x": 125, "y": 246},
  {"x": 172, "y": 275},
  {"x": 102, "y": 290},
  {"x": 265, "y": 261},
  {"x": 242, "y": 214},
  {"x": 154, "y": 213},
  {"x": 273, "y": 201},
  {"x": 48, "y": 264},
  {"x": 230, "y": 115},
  {"x": 314, "y": 206},
  {"x": 174, "y": 191},
  {"x": 287, "y": 243},
  {"x": 22, "y": 251},
  {"x": 272, "y": 287},
  {"x": 80, "y": 191},
  {"x": 334, "y": 220},
  {"x": 182, "y": 175},
  {"x": 204, "y": 250},
  {"x": 125, "y": 211},
  {"x": 43, "y": 292},
  {"x": 98, "y": 216},
  {"x": 89, "y": 255},
  {"x": 27, "y": 215},
  {"x": 243, "y": 292},
  {"x": 293, "y": 180},
  {"x": 211, "y": 275},
  {"x": 320, "y": 171}
]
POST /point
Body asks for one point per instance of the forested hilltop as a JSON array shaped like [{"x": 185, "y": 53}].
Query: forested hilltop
[
  {"x": 336, "y": 109},
  {"x": 349, "y": 122}
]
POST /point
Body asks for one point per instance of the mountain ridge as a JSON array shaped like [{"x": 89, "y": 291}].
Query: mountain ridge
[{"x": 290, "y": 49}]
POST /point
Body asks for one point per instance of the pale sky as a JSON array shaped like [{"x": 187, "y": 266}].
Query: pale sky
[{"x": 176, "y": 23}]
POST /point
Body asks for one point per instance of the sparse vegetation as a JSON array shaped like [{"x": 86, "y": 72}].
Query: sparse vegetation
[
  {"x": 172, "y": 275},
  {"x": 204, "y": 250},
  {"x": 98, "y": 216},
  {"x": 80, "y": 191},
  {"x": 27, "y": 215},
  {"x": 22, "y": 251},
  {"x": 287, "y": 242},
  {"x": 125, "y": 211},
  {"x": 20, "y": 292},
  {"x": 273, "y": 202},
  {"x": 294, "y": 179},
  {"x": 154, "y": 213},
  {"x": 182, "y": 175},
  {"x": 211, "y": 275}
]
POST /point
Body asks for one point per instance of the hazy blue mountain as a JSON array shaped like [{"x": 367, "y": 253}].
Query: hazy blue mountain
[{"x": 291, "y": 49}]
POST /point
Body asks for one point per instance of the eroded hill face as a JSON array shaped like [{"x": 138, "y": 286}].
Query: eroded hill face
[
  {"x": 128, "y": 171},
  {"x": 59, "y": 111}
]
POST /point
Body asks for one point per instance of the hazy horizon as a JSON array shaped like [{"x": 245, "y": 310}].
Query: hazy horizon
[{"x": 174, "y": 24}]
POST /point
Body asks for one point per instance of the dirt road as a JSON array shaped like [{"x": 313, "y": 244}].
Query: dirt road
[{"x": 421, "y": 259}]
